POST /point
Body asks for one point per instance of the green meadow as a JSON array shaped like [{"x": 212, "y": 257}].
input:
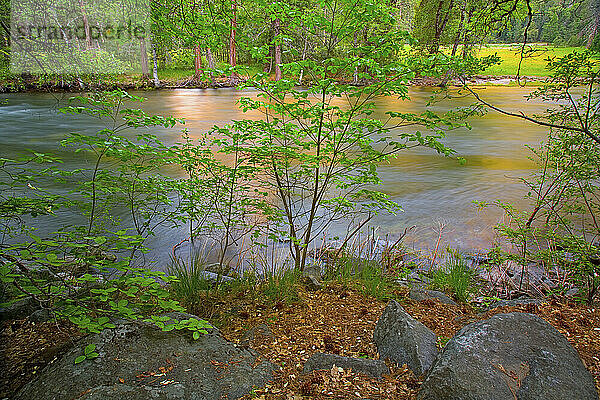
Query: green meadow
[{"x": 534, "y": 64}]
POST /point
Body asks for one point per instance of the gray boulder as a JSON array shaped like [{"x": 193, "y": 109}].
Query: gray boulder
[
  {"x": 372, "y": 368},
  {"x": 507, "y": 357},
  {"x": 20, "y": 309},
  {"x": 514, "y": 303},
  {"x": 136, "y": 360},
  {"x": 404, "y": 340},
  {"x": 261, "y": 331},
  {"x": 424, "y": 294}
]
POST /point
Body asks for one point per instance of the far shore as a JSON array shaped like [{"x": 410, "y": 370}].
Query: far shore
[{"x": 26, "y": 85}]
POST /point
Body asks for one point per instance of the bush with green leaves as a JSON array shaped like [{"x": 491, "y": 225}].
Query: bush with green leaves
[
  {"x": 561, "y": 229},
  {"x": 87, "y": 272},
  {"x": 313, "y": 155}
]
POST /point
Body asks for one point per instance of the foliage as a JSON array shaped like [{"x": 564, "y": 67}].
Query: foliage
[
  {"x": 89, "y": 353},
  {"x": 85, "y": 272},
  {"x": 315, "y": 153},
  {"x": 561, "y": 229}
]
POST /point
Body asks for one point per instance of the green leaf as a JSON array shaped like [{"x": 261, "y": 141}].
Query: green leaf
[
  {"x": 79, "y": 359},
  {"x": 89, "y": 348}
]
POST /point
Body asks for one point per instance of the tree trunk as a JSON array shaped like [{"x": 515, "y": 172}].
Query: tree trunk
[
  {"x": 154, "y": 66},
  {"x": 198, "y": 62},
  {"x": 86, "y": 26},
  {"x": 276, "y": 26},
  {"x": 144, "y": 59},
  {"x": 355, "y": 76},
  {"x": 269, "y": 63},
  {"x": 459, "y": 33},
  {"x": 303, "y": 58},
  {"x": 211, "y": 63},
  {"x": 441, "y": 19},
  {"x": 232, "y": 44}
]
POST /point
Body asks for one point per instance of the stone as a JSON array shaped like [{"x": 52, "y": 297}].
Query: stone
[
  {"x": 424, "y": 294},
  {"x": 42, "y": 315},
  {"x": 507, "y": 357},
  {"x": 574, "y": 291},
  {"x": 312, "y": 283},
  {"x": 20, "y": 309},
  {"x": 138, "y": 361},
  {"x": 513, "y": 303},
  {"x": 372, "y": 368},
  {"x": 404, "y": 340},
  {"x": 258, "y": 332}
]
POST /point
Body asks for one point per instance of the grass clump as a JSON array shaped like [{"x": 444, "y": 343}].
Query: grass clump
[
  {"x": 454, "y": 278},
  {"x": 192, "y": 285},
  {"x": 368, "y": 276},
  {"x": 281, "y": 286}
]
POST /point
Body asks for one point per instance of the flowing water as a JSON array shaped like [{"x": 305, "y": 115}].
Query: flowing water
[{"x": 436, "y": 193}]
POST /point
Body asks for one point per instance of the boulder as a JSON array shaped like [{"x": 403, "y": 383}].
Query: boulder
[
  {"x": 424, "y": 294},
  {"x": 259, "y": 332},
  {"x": 513, "y": 303},
  {"x": 507, "y": 357},
  {"x": 136, "y": 360},
  {"x": 372, "y": 368},
  {"x": 312, "y": 283},
  {"x": 20, "y": 309},
  {"x": 404, "y": 340}
]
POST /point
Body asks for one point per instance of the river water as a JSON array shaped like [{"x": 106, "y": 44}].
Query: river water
[{"x": 435, "y": 192}]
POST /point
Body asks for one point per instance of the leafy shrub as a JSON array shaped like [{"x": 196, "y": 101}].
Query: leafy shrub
[{"x": 86, "y": 273}]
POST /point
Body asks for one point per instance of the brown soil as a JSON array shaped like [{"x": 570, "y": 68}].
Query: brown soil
[
  {"x": 335, "y": 320},
  {"x": 341, "y": 321},
  {"x": 26, "y": 347}
]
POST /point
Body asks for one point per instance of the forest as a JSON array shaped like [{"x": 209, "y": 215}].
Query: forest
[{"x": 332, "y": 199}]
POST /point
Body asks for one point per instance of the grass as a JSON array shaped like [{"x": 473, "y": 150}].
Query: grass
[
  {"x": 455, "y": 277},
  {"x": 192, "y": 285},
  {"x": 282, "y": 286},
  {"x": 364, "y": 275},
  {"x": 535, "y": 65},
  {"x": 178, "y": 73}
]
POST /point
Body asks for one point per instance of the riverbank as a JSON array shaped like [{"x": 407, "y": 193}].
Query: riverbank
[
  {"x": 34, "y": 85},
  {"x": 287, "y": 334}
]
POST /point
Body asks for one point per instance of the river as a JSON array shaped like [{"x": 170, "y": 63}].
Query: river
[{"x": 433, "y": 191}]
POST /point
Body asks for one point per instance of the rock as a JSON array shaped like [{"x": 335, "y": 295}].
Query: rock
[
  {"x": 258, "y": 332},
  {"x": 314, "y": 270},
  {"x": 312, "y": 283},
  {"x": 372, "y": 368},
  {"x": 513, "y": 303},
  {"x": 574, "y": 291},
  {"x": 42, "y": 315},
  {"x": 404, "y": 340},
  {"x": 424, "y": 294},
  {"x": 136, "y": 360},
  {"x": 20, "y": 309},
  {"x": 516, "y": 352}
]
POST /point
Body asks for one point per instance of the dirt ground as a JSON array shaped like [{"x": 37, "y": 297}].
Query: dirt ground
[{"x": 335, "y": 320}]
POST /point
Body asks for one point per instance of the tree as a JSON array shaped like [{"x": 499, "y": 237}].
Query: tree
[{"x": 316, "y": 150}]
